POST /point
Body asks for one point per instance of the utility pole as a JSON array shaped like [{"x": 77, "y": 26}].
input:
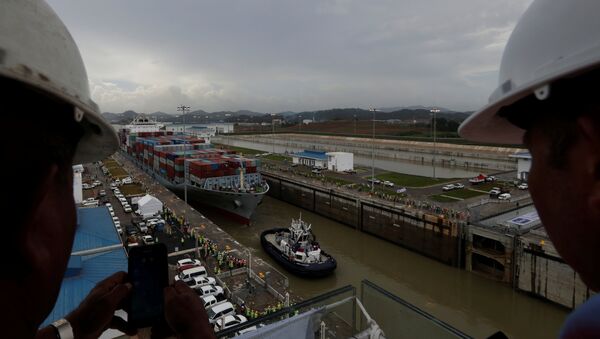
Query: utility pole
[
  {"x": 273, "y": 126},
  {"x": 434, "y": 111},
  {"x": 354, "y": 124},
  {"x": 299, "y": 124},
  {"x": 184, "y": 109},
  {"x": 373, "y": 153}
]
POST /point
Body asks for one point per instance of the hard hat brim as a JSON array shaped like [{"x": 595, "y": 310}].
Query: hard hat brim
[
  {"x": 100, "y": 139},
  {"x": 487, "y": 127}
]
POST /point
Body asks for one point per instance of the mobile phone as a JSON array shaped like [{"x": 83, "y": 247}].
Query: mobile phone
[{"x": 148, "y": 272}]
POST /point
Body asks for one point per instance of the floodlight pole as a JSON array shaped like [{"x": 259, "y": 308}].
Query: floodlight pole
[
  {"x": 184, "y": 109},
  {"x": 434, "y": 111},
  {"x": 373, "y": 153}
]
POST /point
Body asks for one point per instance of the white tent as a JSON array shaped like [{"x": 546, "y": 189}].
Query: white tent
[{"x": 149, "y": 206}]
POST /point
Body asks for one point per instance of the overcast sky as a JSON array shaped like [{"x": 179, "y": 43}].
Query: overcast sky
[{"x": 278, "y": 55}]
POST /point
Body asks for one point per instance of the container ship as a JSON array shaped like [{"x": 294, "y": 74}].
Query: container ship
[{"x": 214, "y": 177}]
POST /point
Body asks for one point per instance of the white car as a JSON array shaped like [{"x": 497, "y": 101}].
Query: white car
[
  {"x": 198, "y": 282},
  {"x": 504, "y": 196},
  {"x": 109, "y": 205},
  {"x": 523, "y": 186},
  {"x": 448, "y": 187},
  {"x": 220, "y": 310},
  {"x": 148, "y": 240},
  {"x": 229, "y": 321},
  {"x": 119, "y": 229},
  {"x": 190, "y": 273},
  {"x": 388, "y": 183},
  {"x": 210, "y": 290},
  {"x": 112, "y": 213},
  {"x": 188, "y": 262},
  {"x": 127, "y": 180},
  {"x": 127, "y": 208},
  {"x": 458, "y": 186},
  {"x": 209, "y": 301}
]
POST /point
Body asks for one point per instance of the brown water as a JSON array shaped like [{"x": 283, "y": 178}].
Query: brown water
[{"x": 471, "y": 303}]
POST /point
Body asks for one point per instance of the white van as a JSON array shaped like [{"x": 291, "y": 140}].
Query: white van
[
  {"x": 220, "y": 310},
  {"x": 188, "y": 274}
]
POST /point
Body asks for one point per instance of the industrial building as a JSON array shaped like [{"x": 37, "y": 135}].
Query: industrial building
[
  {"x": 310, "y": 158},
  {"x": 333, "y": 161},
  {"x": 340, "y": 161},
  {"x": 523, "y": 164}
]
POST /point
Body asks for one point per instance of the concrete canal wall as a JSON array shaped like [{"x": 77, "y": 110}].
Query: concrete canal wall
[
  {"x": 424, "y": 233},
  {"x": 529, "y": 262},
  {"x": 514, "y": 259},
  {"x": 446, "y": 154}
]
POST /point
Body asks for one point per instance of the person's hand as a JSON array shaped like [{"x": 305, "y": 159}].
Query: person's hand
[
  {"x": 95, "y": 314},
  {"x": 185, "y": 314}
]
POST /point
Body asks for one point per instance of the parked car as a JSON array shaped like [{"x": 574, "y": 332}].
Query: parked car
[
  {"x": 188, "y": 262},
  {"x": 523, "y": 186},
  {"x": 109, "y": 205},
  {"x": 210, "y": 290},
  {"x": 127, "y": 208},
  {"x": 127, "y": 181},
  {"x": 219, "y": 310},
  {"x": 490, "y": 178},
  {"x": 388, "y": 183},
  {"x": 229, "y": 321},
  {"x": 131, "y": 230},
  {"x": 495, "y": 192},
  {"x": 209, "y": 301},
  {"x": 401, "y": 190},
  {"x": 504, "y": 196},
  {"x": 197, "y": 282},
  {"x": 188, "y": 274},
  {"x": 148, "y": 240},
  {"x": 316, "y": 171},
  {"x": 459, "y": 186},
  {"x": 448, "y": 187},
  {"x": 102, "y": 193}
]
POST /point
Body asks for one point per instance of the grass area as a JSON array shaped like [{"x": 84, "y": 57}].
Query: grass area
[
  {"x": 277, "y": 157},
  {"x": 337, "y": 180},
  {"x": 442, "y": 198},
  {"x": 407, "y": 180},
  {"x": 131, "y": 189},
  {"x": 115, "y": 170},
  {"x": 463, "y": 193},
  {"x": 244, "y": 151}
]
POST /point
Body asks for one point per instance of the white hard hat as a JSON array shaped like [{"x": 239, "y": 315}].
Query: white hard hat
[
  {"x": 554, "y": 39},
  {"x": 37, "y": 49}
]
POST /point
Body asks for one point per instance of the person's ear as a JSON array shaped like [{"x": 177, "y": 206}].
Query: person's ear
[{"x": 589, "y": 130}]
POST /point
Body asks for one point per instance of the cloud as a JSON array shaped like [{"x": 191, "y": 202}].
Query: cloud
[{"x": 278, "y": 55}]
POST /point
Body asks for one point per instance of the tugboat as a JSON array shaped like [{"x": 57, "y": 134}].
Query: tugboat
[{"x": 296, "y": 249}]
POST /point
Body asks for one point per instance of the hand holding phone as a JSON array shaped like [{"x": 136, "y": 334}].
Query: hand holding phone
[{"x": 148, "y": 273}]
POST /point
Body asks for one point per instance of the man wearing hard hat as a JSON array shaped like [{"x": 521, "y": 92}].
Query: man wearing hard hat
[
  {"x": 547, "y": 99},
  {"x": 50, "y": 123}
]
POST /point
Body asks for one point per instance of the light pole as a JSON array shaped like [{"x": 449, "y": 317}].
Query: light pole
[
  {"x": 299, "y": 123},
  {"x": 373, "y": 153},
  {"x": 434, "y": 111},
  {"x": 184, "y": 109},
  {"x": 273, "y": 126},
  {"x": 354, "y": 124}
]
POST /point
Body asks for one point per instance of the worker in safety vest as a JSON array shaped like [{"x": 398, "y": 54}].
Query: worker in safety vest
[{"x": 547, "y": 99}]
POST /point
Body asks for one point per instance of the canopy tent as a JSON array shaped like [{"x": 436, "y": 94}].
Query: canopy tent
[{"x": 149, "y": 206}]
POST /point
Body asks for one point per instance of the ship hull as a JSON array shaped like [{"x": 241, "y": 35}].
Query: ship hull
[{"x": 237, "y": 206}]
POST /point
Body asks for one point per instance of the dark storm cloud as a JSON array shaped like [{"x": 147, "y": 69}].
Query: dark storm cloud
[{"x": 290, "y": 55}]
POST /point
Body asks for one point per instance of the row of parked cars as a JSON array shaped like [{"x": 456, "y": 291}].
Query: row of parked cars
[
  {"x": 122, "y": 199},
  {"x": 221, "y": 312},
  {"x": 451, "y": 187}
]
